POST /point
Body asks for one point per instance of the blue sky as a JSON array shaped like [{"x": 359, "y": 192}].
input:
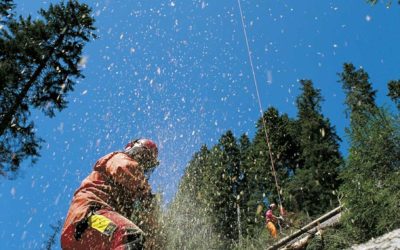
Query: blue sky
[{"x": 177, "y": 71}]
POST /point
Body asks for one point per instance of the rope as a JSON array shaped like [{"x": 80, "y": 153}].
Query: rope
[{"x": 260, "y": 106}]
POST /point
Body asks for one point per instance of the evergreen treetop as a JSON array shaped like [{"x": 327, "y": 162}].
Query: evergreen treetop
[
  {"x": 39, "y": 66},
  {"x": 360, "y": 97}
]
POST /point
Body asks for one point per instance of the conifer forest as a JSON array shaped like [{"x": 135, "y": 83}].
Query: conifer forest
[{"x": 251, "y": 103}]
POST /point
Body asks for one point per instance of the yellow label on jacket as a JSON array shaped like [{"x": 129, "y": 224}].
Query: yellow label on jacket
[{"x": 99, "y": 222}]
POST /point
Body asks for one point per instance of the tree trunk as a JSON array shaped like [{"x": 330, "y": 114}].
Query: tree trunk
[
  {"x": 310, "y": 228},
  {"x": 7, "y": 118}
]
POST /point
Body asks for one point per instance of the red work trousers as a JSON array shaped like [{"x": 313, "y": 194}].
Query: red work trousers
[{"x": 103, "y": 229}]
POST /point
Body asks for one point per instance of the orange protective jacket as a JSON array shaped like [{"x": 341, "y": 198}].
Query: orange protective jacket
[{"x": 115, "y": 183}]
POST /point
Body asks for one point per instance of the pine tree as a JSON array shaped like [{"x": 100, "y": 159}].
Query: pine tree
[
  {"x": 211, "y": 184},
  {"x": 39, "y": 67},
  {"x": 193, "y": 180},
  {"x": 258, "y": 176},
  {"x": 284, "y": 150},
  {"x": 188, "y": 226},
  {"x": 225, "y": 183},
  {"x": 360, "y": 97},
  {"x": 189, "y": 216},
  {"x": 371, "y": 188},
  {"x": 388, "y": 2},
  {"x": 369, "y": 191},
  {"x": 55, "y": 230},
  {"x": 394, "y": 92},
  {"x": 315, "y": 183},
  {"x": 6, "y": 7},
  {"x": 246, "y": 188}
]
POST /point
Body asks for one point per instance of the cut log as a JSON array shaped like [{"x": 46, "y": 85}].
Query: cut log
[
  {"x": 302, "y": 240},
  {"x": 299, "y": 244},
  {"x": 326, "y": 220}
]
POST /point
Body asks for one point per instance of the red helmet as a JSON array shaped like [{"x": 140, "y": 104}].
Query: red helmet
[{"x": 144, "y": 151}]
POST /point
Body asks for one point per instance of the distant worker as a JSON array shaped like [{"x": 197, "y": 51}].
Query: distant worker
[
  {"x": 99, "y": 211},
  {"x": 271, "y": 220}
]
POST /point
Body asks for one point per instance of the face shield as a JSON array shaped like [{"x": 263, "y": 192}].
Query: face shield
[{"x": 145, "y": 152}]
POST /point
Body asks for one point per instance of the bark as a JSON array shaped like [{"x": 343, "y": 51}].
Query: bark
[
  {"x": 7, "y": 118},
  {"x": 310, "y": 229}
]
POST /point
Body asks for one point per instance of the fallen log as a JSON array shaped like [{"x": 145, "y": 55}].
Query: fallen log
[
  {"x": 310, "y": 229},
  {"x": 302, "y": 240}
]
